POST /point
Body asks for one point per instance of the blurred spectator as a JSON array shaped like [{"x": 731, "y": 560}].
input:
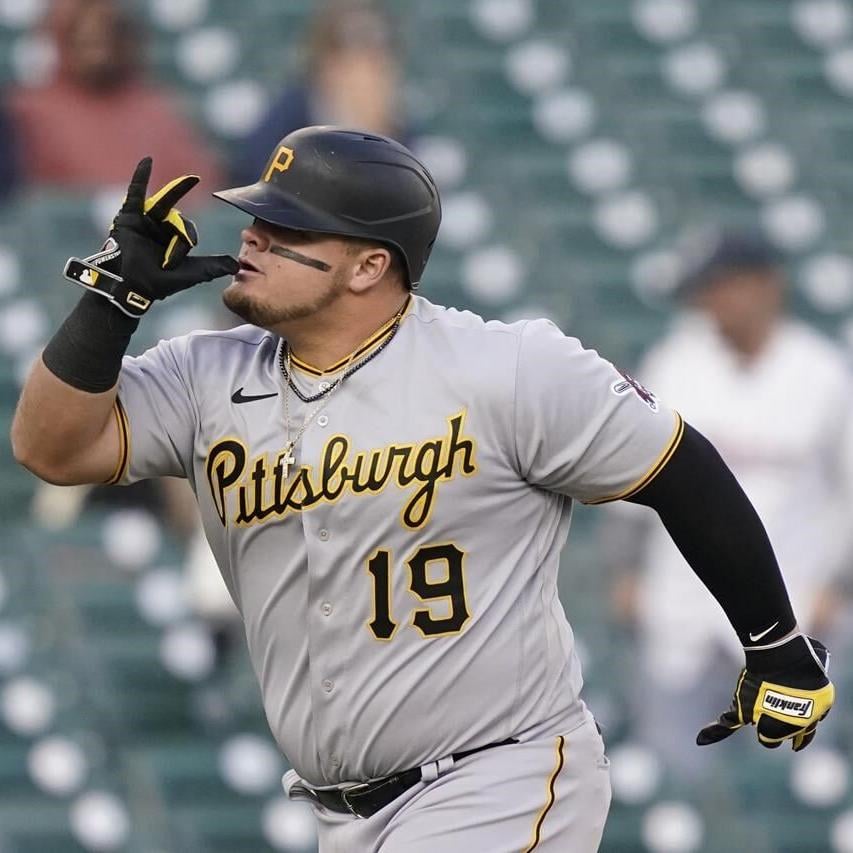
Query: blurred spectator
[
  {"x": 773, "y": 395},
  {"x": 351, "y": 78},
  {"x": 98, "y": 115},
  {"x": 10, "y": 160}
]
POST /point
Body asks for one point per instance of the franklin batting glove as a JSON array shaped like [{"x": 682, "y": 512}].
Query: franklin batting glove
[
  {"x": 145, "y": 256},
  {"x": 783, "y": 690}
]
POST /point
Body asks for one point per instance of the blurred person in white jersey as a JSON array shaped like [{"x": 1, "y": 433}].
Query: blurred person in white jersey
[{"x": 772, "y": 394}]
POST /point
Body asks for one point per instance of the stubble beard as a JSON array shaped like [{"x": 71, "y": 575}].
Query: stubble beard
[{"x": 265, "y": 315}]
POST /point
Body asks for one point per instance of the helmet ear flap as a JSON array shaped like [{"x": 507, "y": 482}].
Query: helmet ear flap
[{"x": 399, "y": 267}]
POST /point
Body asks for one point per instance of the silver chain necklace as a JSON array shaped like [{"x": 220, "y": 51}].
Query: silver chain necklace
[
  {"x": 287, "y": 457},
  {"x": 285, "y": 365}
]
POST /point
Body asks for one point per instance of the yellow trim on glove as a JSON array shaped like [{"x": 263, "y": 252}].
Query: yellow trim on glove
[
  {"x": 152, "y": 200},
  {"x": 174, "y": 218},
  {"x": 792, "y": 705},
  {"x": 169, "y": 249},
  {"x": 737, "y": 698}
]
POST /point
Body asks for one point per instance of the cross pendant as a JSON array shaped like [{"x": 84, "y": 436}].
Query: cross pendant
[{"x": 287, "y": 459}]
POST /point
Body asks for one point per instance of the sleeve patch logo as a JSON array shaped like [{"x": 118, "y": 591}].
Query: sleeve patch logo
[
  {"x": 628, "y": 383},
  {"x": 790, "y": 706}
]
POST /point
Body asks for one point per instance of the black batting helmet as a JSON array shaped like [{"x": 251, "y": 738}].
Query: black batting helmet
[{"x": 348, "y": 182}]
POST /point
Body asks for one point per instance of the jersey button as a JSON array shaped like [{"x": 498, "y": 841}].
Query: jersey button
[
  {"x": 324, "y": 386},
  {"x": 322, "y": 421},
  {"x": 328, "y": 685},
  {"x": 323, "y": 534},
  {"x": 334, "y": 761},
  {"x": 326, "y": 608}
]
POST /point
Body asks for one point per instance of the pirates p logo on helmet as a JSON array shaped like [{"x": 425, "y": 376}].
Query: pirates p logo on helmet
[{"x": 280, "y": 162}]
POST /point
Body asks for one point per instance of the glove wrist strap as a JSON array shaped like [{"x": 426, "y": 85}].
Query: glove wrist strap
[
  {"x": 93, "y": 273},
  {"x": 795, "y": 655},
  {"x": 792, "y": 634}
]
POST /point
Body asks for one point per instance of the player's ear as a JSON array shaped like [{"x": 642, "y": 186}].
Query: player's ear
[{"x": 369, "y": 268}]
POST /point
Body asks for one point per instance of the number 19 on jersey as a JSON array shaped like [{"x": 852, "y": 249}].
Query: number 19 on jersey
[{"x": 446, "y": 594}]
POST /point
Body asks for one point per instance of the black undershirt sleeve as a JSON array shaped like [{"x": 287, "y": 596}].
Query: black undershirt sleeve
[
  {"x": 87, "y": 349},
  {"x": 719, "y": 533}
]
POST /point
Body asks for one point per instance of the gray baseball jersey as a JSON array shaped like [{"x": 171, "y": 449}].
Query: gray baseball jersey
[{"x": 398, "y": 582}]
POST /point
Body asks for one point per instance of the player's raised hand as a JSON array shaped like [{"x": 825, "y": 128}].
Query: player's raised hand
[
  {"x": 156, "y": 216},
  {"x": 784, "y": 691},
  {"x": 146, "y": 256}
]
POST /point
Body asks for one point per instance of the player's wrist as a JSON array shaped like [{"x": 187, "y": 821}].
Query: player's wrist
[
  {"x": 798, "y": 659},
  {"x": 87, "y": 349},
  {"x": 779, "y": 618}
]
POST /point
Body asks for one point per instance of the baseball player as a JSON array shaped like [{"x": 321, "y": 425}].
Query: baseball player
[{"x": 387, "y": 485}]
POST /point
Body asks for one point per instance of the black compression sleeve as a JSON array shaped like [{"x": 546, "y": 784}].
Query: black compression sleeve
[
  {"x": 718, "y": 531},
  {"x": 87, "y": 349}
]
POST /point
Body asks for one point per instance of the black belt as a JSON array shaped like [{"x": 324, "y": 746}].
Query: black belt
[{"x": 368, "y": 798}]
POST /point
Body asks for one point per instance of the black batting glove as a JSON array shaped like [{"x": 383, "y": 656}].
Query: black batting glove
[
  {"x": 146, "y": 256},
  {"x": 783, "y": 690}
]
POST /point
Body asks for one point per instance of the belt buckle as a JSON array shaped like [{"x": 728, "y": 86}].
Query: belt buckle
[{"x": 363, "y": 786}]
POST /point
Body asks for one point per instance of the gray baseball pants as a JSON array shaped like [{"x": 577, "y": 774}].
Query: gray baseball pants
[{"x": 549, "y": 795}]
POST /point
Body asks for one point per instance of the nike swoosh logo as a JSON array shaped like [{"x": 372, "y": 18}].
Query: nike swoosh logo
[
  {"x": 239, "y": 397},
  {"x": 756, "y": 637}
]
